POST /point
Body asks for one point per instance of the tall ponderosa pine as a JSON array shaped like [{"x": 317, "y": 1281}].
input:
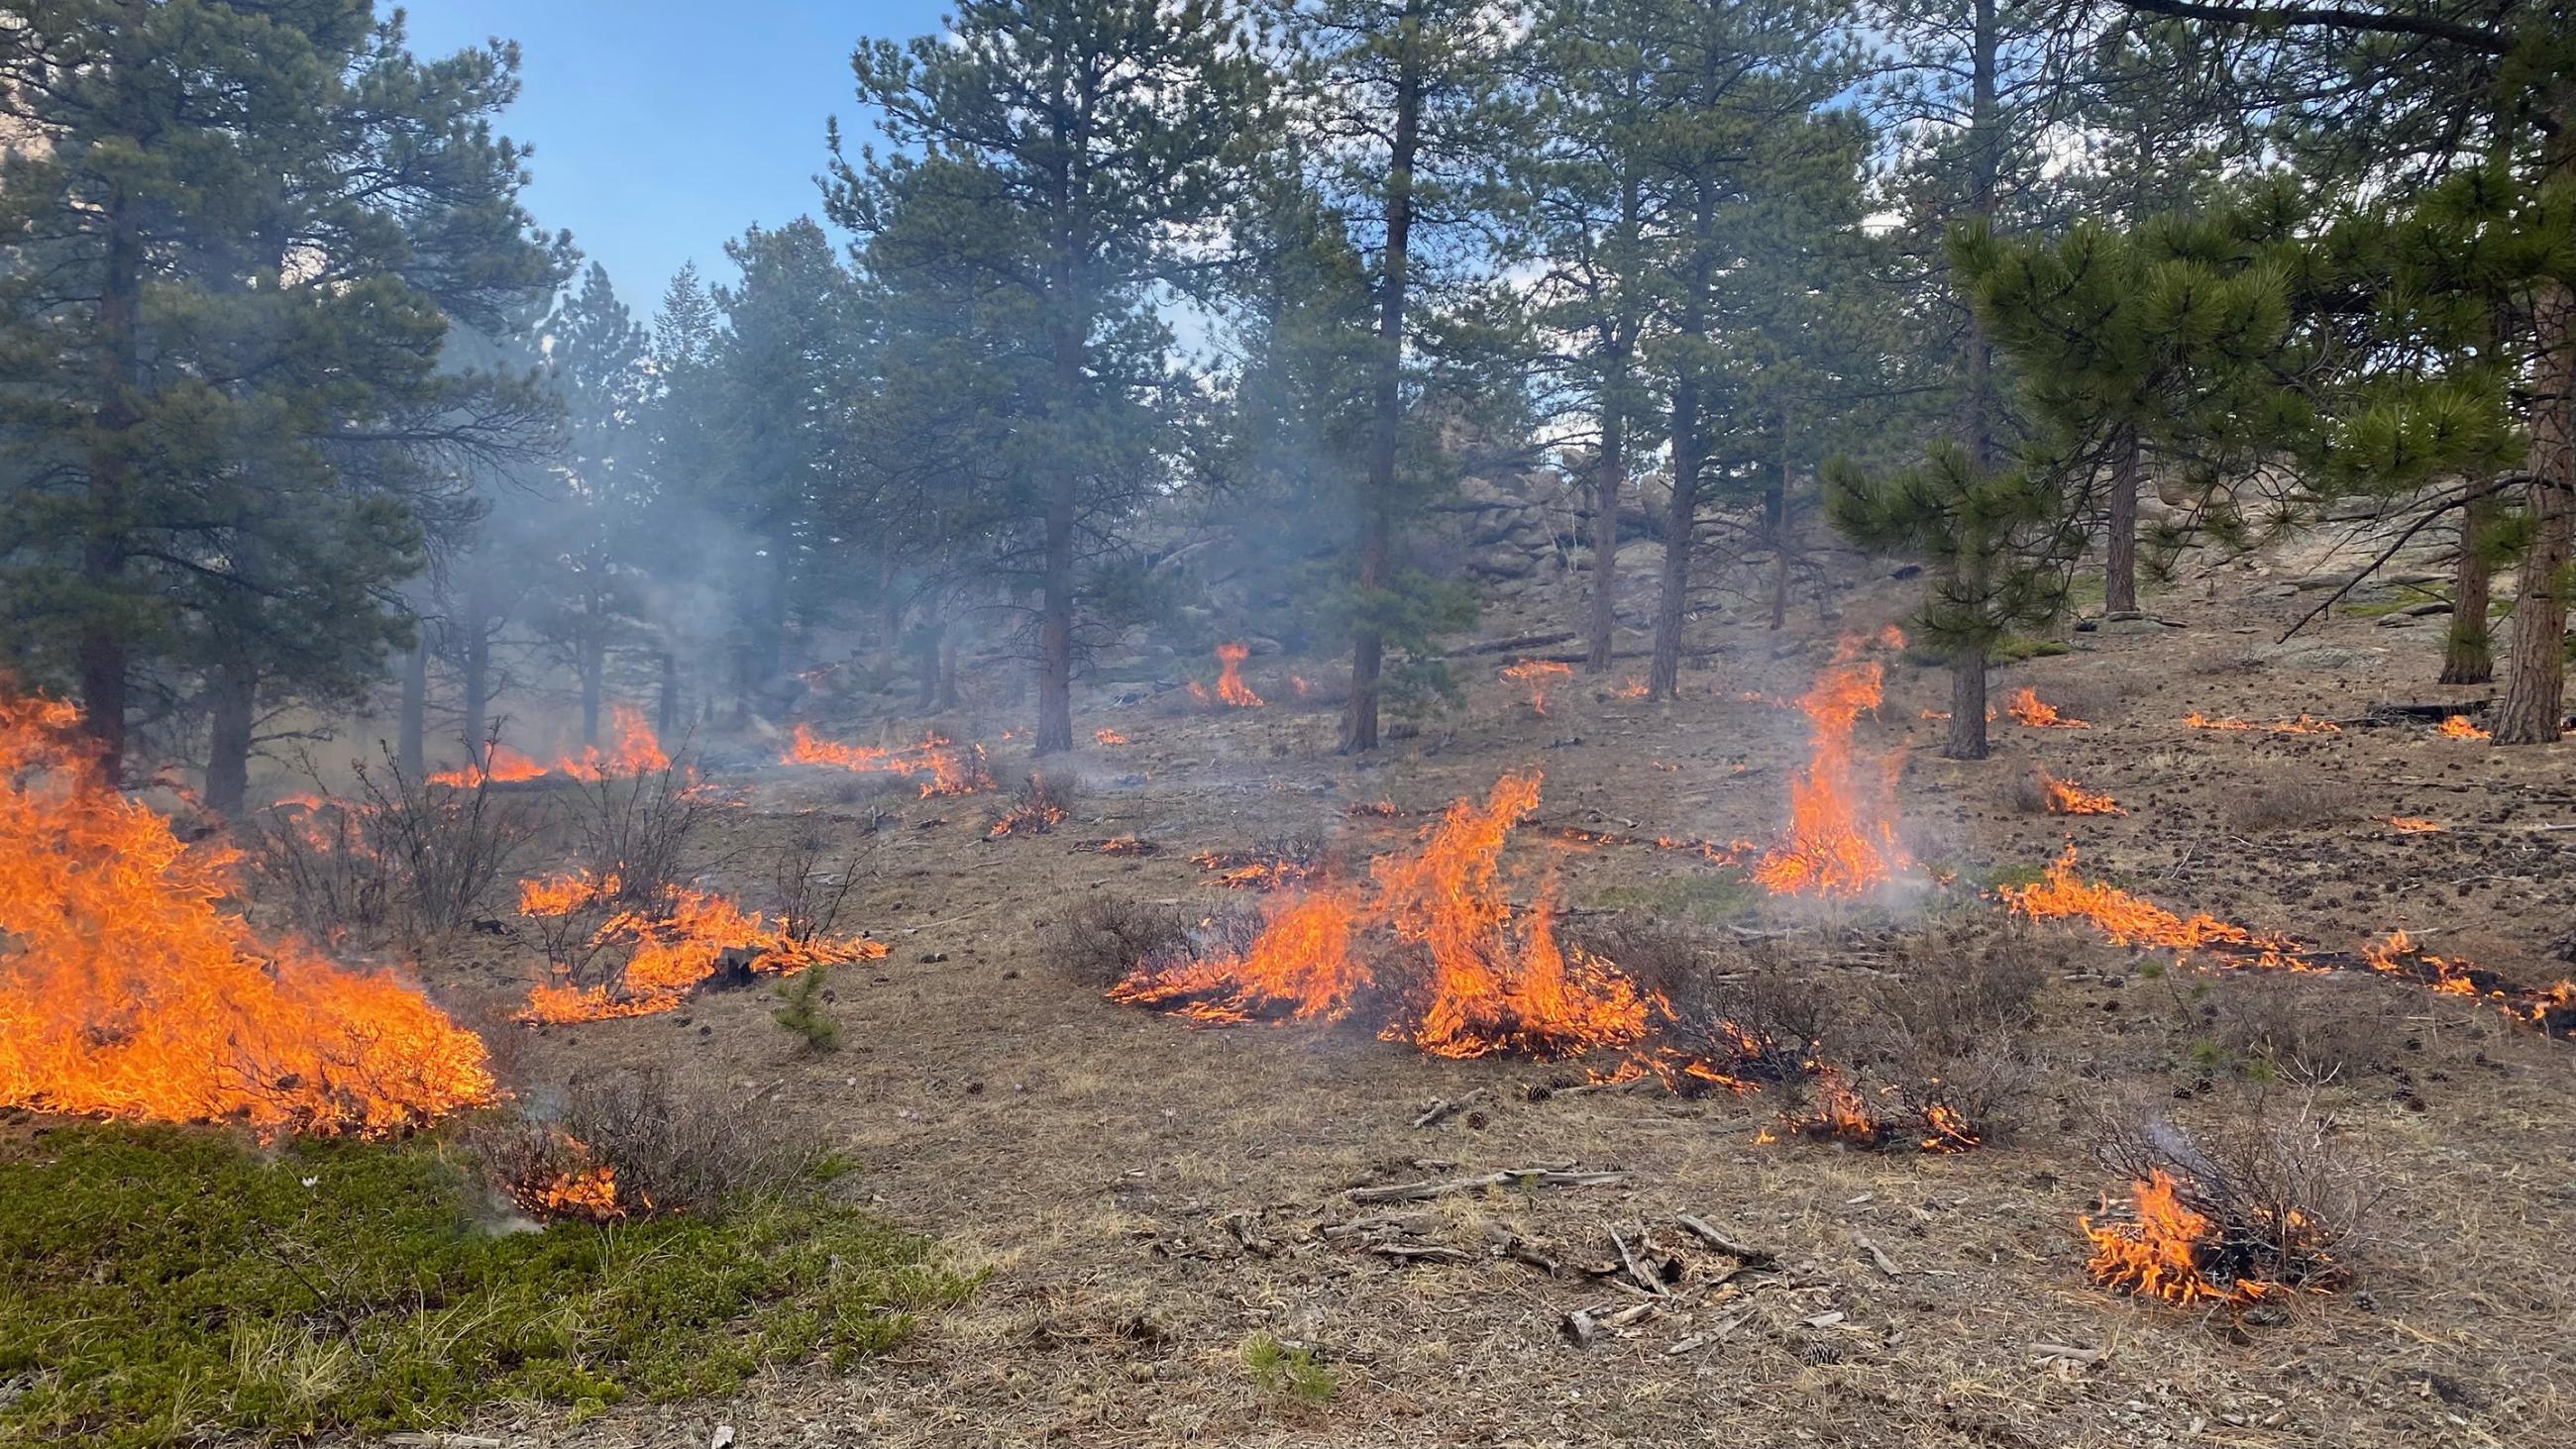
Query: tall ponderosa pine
[
  {"x": 1094, "y": 131},
  {"x": 595, "y": 363},
  {"x": 236, "y": 233},
  {"x": 1403, "y": 92},
  {"x": 1736, "y": 135}
]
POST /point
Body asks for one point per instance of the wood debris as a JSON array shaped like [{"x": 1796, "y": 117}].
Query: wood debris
[{"x": 1506, "y": 1177}]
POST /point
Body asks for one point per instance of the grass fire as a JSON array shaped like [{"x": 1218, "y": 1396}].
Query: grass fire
[{"x": 1838, "y": 724}]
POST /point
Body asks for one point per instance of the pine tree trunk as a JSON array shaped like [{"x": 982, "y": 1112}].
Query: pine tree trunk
[
  {"x": 411, "y": 725},
  {"x": 926, "y": 660},
  {"x": 1779, "y": 519},
  {"x": 1681, "y": 511},
  {"x": 594, "y": 665},
  {"x": 1985, "y": 142},
  {"x": 1055, "y": 614},
  {"x": 1607, "y": 480},
  {"x": 666, "y": 714},
  {"x": 102, "y": 648},
  {"x": 233, "y": 693},
  {"x": 1967, "y": 706},
  {"x": 1386, "y": 389},
  {"x": 477, "y": 673},
  {"x": 2120, "y": 587},
  {"x": 948, "y": 698},
  {"x": 2468, "y": 656},
  {"x": 2535, "y": 681}
]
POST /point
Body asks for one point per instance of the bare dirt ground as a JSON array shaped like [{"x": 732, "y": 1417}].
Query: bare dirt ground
[{"x": 1092, "y": 1154}]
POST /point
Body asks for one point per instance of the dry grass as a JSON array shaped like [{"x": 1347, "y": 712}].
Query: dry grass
[{"x": 2290, "y": 804}]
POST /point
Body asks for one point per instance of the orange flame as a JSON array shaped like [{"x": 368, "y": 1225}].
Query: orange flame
[
  {"x": 671, "y": 943},
  {"x": 2128, "y": 921},
  {"x": 2161, "y": 1254},
  {"x": 1536, "y": 673},
  {"x": 1108, "y": 737},
  {"x": 2305, "y": 724},
  {"x": 1496, "y": 980},
  {"x": 2459, "y": 727},
  {"x": 1630, "y": 688},
  {"x": 1035, "y": 812},
  {"x": 2026, "y": 707},
  {"x": 950, "y": 772},
  {"x": 2414, "y": 825},
  {"x": 1837, "y": 1113},
  {"x": 1839, "y": 844},
  {"x": 1230, "y": 688},
  {"x": 506, "y": 766},
  {"x": 1299, "y": 966},
  {"x": 635, "y": 752},
  {"x": 2065, "y": 798},
  {"x": 128, "y": 990}
]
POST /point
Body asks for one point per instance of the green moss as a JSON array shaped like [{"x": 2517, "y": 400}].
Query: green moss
[
  {"x": 1695, "y": 897},
  {"x": 2013, "y": 648},
  {"x": 166, "y": 1286}
]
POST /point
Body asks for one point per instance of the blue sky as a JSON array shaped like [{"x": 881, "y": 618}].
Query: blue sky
[{"x": 663, "y": 127}]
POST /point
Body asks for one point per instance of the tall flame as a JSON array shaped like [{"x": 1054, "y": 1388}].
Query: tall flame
[
  {"x": 128, "y": 989},
  {"x": 1230, "y": 688},
  {"x": 1841, "y": 842}
]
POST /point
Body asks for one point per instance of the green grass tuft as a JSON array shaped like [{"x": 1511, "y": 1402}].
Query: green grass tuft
[
  {"x": 167, "y": 1286},
  {"x": 1277, "y": 1367},
  {"x": 1696, "y": 897}
]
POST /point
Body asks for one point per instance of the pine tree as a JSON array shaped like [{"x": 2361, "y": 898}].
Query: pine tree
[
  {"x": 1993, "y": 542},
  {"x": 1095, "y": 131},
  {"x": 1737, "y": 138},
  {"x": 237, "y": 235},
  {"x": 2408, "y": 94},
  {"x": 1405, "y": 90},
  {"x": 2131, "y": 346},
  {"x": 597, "y": 510}
]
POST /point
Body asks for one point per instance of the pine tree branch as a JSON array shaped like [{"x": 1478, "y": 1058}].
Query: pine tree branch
[
  {"x": 2469, "y": 494},
  {"x": 2333, "y": 17}
]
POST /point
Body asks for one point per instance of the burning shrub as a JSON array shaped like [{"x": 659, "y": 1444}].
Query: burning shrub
[
  {"x": 1715, "y": 1029},
  {"x": 1102, "y": 939},
  {"x": 1040, "y": 804},
  {"x": 638, "y": 830},
  {"x": 811, "y": 886},
  {"x": 403, "y": 854},
  {"x": 1272, "y": 863},
  {"x": 632, "y": 1141},
  {"x": 127, "y": 989},
  {"x": 2267, "y": 1208}
]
